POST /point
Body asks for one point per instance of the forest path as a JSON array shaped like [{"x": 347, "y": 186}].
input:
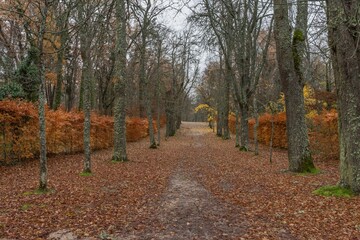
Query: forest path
[
  {"x": 187, "y": 210},
  {"x": 194, "y": 186}
]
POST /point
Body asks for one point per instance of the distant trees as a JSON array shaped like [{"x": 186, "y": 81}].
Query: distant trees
[{"x": 236, "y": 28}]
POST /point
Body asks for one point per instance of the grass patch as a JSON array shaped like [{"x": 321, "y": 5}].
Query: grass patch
[
  {"x": 313, "y": 171},
  {"x": 26, "y": 206},
  {"x": 38, "y": 192},
  {"x": 86, "y": 174},
  {"x": 334, "y": 191}
]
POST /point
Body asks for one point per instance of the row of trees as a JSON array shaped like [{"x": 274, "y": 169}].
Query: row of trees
[
  {"x": 113, "y": 57},
  {"x": 268, "y": 47}
]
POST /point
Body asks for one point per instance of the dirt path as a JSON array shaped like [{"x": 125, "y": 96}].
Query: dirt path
[{"x": 187, "y": 210}]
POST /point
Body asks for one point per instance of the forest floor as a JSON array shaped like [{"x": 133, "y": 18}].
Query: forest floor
[{"x": 195, "y": 186}]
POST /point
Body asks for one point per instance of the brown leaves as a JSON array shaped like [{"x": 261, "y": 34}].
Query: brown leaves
[
  {"x": 19, "y": 131},
  {"x": 243, "y": 192}
]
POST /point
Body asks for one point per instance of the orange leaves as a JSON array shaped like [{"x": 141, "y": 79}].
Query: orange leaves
[
  {"x": 264, "y": 129},
  {"x": 324, "y": 134},
  {"x": 19, "y": 131},
  {"x": 323, "y": 131}
]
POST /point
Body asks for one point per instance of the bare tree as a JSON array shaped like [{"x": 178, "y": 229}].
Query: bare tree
[
  {"x": 120, "y": 83},
  {"x": 344, "y": 38},
  {"x": 146, "y": 15},
  {"x": 289, "y": 49},
  {"x": 237, "y": 26}
]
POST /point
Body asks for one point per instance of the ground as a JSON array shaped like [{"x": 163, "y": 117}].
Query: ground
[{"x": 195, "y": 186}]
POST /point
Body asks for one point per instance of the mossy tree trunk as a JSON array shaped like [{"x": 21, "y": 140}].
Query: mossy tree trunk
[
  {"x": 289, "y": 61},
  {"x": 86, "y": 76},
  {"x": 42, "y": 102},
  {"x": 120, "y": 84},
  {"x": 344, "y": 38}
]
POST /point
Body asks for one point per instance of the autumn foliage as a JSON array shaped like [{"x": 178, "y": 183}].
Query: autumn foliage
[
  {"x": 19, "y": 131},
  {"x": 323, "y": 131},
  {"x": 323, "y": 134}
]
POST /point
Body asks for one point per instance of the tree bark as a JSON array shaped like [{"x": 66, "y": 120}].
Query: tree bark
[
  {"x": 85, "y": 51},
  {"x": 344, "y": 28},
  {"x": 289, "y": 61},
  {"x": 120, "y": 85},
  {"x": 170, "y": 115},
  {"x": 244, "y": 128},
  {"x": 42, "y": 102}
]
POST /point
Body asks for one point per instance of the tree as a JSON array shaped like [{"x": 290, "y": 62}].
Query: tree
[
  {"x": 120, "y": 83},
  {"x": 344, "y": 29},
  {"x": 85, "y": 10},
  {"x": 289, "y": 56},
  {"x": 236, "y": 26},
  {"x": 183, "y": 70},
  {"x": 62, "y": 12},
  {"x": 41, "y": 74},
  {"x": 146, "y": 16}
]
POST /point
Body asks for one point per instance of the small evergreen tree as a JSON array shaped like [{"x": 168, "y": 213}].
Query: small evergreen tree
[
  {"x": 27, "y": 75},
  {"x": 11, "y": 90}
]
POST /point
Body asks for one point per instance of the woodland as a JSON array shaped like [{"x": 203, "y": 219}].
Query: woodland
[{"x": 154, "y": 119}]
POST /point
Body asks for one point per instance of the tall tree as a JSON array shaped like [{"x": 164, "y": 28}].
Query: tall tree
[
  {"x": 237, "y": 26},
  {"x": 289, "y": 48},
  {"x": 145, "y": 13},
  {"x": 62, "y": 12},
  {"x": 344, "y": 37},
  {"x": 85, "y": 10},
  {"x": 41, "y": 68},
  {"x": 120, "y": 83}
]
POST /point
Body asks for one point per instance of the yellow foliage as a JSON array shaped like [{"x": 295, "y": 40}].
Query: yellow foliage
[{"x": 210, "y": 111}]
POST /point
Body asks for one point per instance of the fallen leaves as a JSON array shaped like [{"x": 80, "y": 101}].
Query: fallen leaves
[{"x": 127, "y": 199}]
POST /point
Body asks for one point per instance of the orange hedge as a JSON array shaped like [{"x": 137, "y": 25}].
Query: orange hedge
[
  {"x": 264, "y": 129},
  {"x": 19, "y": 130},
  {"x": 323, "y": 133}
]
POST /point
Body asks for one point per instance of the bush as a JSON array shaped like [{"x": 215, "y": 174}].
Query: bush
[
  {"x": 323, "y": 132},
  {"x": 264, "y": 129},
  {"x": 11, "y": 90},
  {"x": 19, "y": 131}
]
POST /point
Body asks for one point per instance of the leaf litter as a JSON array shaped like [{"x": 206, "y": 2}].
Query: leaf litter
[{"x": 195, "y": 186}]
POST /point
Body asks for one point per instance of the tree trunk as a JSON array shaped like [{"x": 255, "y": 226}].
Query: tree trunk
[
  {"x": 86, "y": 75},
  {"x": 42, "y": 102},
  {"x": 271, "y": 135},
  {"x": 170, "y": 115},
  {"x": 144, "y": 83},
  {"x": 120, "y": 85},
  {"x": 244, "y": 128},
  {"x": 150, "y": 122},
  {"x": 289, "y": 61},
  {"x": 256, "y": 142},
  {"x": 59, "y": 70},
  {"x": 86, "y": 78},
  {"x": 219, "y": 121},
  {"x": 237, "y": 128},
  {"x": 226, "y": 104},
  {"x": 344, "y": 27}
]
